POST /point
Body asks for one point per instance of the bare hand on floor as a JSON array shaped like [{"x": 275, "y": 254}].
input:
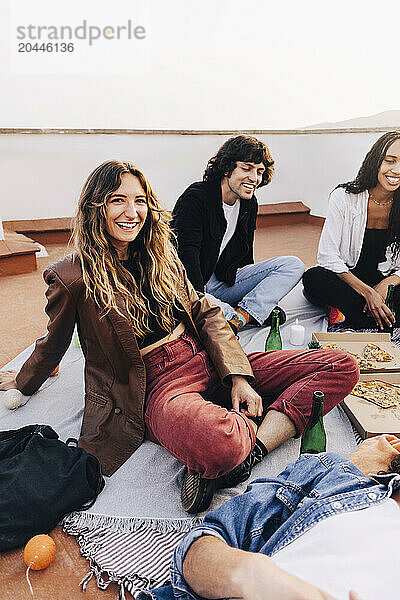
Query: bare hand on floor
[{"x": 7, "y": 380}]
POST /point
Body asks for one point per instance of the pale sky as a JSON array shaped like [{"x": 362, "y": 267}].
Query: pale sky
[{"x": 209, "y": 64}]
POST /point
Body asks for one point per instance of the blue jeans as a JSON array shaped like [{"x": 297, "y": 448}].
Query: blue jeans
[{"x": 258, "y": 288}]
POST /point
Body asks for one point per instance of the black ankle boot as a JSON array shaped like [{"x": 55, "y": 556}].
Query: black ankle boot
[
  {"x": 197, "y": 492},
  {"x": 243, "y": 471}
]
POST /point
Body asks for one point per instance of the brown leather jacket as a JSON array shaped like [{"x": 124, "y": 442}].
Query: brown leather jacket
[{"x": 115, "y": 378}]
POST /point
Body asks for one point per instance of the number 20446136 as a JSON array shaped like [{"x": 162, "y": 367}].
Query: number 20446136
[{"x": 49, "y": 47}]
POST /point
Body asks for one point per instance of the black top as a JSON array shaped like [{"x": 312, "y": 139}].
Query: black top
[
  {"x": 199, "y": 223},
  {"x": 157, "y": 331},
  {"x": 372, "y": 253}
]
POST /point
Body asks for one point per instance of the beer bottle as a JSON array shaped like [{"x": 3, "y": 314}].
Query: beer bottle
[
  {"x": 390, "y": 304},
  {"x": 313, "y": 439},
  {"x": 274, "y": 340}
]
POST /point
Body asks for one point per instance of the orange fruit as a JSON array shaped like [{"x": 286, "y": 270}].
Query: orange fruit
[
  {"x": 39, "y": 552},
  {"x": 55, "y": 371}
]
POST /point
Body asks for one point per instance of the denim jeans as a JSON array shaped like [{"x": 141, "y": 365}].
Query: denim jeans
[
  {"x": 189, "y": 410},
  {"x": 258, "y": 288}
]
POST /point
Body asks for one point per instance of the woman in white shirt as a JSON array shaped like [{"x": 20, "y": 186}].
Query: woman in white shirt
[{"x": 359, "y": 249}]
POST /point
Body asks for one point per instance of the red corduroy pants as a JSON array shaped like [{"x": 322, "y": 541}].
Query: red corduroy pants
[{"x": 188, "y": 409}]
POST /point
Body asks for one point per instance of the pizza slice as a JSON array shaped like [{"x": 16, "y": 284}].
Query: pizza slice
[
  {"x": 364, "y": 362},
  {"x": 384, "y": 395},
  {"x": 376, "y": 353}
]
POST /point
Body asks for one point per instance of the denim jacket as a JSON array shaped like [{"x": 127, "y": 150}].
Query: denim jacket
[{"x": 272, "y": 513}]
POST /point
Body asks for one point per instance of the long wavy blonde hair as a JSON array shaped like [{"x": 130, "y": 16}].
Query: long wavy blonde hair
[{"x": 104, "y": 275}]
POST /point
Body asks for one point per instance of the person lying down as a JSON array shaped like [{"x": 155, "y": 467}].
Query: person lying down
[{"x": 326, "y": 528}]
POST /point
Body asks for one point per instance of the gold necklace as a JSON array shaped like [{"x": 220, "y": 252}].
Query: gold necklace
[{"x": 381, "y": 203}]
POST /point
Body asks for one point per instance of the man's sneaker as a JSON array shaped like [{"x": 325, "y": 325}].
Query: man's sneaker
[
  {"x": 243, "y": 471},
  {"x": 282, "y": 317},
  {"x": 335, "y": 316},
  {"x": 197, "y": 492}
]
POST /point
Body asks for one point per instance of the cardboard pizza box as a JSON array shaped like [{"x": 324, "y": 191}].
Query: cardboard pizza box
[
  {"x": 356, "y": 342},
  {"x": 368, "y": 418}
]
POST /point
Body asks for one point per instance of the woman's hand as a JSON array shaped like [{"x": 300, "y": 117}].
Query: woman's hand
[
  {"x": 243, "y": 394},
  {"x": 375, "y": 305},
  {"x": 382, "y": 288},
  {"x": 374, "y": 297},
  {"x": 8, "y": 380}
]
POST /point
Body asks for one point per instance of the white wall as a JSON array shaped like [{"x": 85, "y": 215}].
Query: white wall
[{"x": 41, "y": 174}]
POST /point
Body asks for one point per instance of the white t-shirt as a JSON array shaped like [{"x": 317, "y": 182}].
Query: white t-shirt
[
  {"x": 231, "y": 212},
  {"x": 356, "y": 550}
]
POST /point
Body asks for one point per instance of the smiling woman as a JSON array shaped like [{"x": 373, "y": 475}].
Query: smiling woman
[
  {"x": 359, "y": 249},
  {"x": 126, "y": 212},
  {"x": 122, "y": 238}
]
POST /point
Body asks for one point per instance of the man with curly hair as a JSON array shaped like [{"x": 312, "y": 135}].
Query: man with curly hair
[{"x": 214, "y": 221}]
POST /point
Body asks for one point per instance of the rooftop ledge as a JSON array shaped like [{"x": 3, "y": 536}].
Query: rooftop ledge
[
  {"x": 18, "y": 249},
  {"x": 285, "y": 213},
  {"x": 127, "y": 131},
  {"x": 17, "y": 254}
]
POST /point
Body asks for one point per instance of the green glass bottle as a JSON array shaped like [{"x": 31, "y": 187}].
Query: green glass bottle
[
  {"x": 313, "y": 439},
  {"x": 390, "y": 304},
  {"x": 274, "y": 340}
]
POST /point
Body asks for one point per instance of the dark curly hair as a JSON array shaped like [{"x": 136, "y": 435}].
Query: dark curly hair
[
  {"x": 240, "y": 148},
  {"x": 367, "y": 179}
]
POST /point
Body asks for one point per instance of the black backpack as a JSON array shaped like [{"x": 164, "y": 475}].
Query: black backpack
[{"x": 41, "y": 480}]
